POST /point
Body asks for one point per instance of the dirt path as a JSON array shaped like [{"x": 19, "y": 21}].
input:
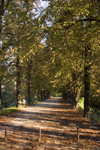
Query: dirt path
[{"x": 58, "y": 123}]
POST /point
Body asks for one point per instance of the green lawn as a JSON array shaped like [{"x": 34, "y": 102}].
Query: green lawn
[
  {"x": 97, "y": 119},
  {"x": 81, "y": 107},
  {"x": 81, "y": 103},
  {"x": 8, "y": 110}
]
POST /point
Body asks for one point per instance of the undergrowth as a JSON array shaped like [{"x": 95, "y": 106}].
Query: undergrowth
[
  {"x": 8, "y": 110},
  {"x": 81, "y": 107}
]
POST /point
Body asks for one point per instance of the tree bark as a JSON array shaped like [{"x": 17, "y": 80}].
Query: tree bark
[
  {"x": 72, "y": 97},
  {"x": 1, "y": 14},
  {"x": 86, "y": 83},
  {"x": 48, "y": 94},
  {"x": 35, "y": 95},
  {"x": 86, "y": 90},
  {"x": 78, "y": 97},
  {"x": 29, "y": 83},
  {"x": 18, "y": 94},
  {"x": 41, "y": 95},
  {"x": 0, "y": 97},
  {"x": 44, "y": 94},
  {"x": 29, "y": 90},
  {"x": 73, "y": 89}
]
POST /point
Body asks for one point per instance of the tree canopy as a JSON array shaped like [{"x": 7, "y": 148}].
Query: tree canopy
[{"x": 52, "y": 49}]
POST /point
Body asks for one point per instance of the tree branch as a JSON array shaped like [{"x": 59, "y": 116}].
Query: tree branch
[
  {"x": 80, "y": 20},
  {"x": 9, "y": 33},
  {"x": 7, "y": 5},
  {"x": 8, "y": 23},
  {"x": 2, "y": 4}
]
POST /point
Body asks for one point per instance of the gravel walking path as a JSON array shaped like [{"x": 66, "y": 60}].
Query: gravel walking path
[{"x": 58, "y": 123}]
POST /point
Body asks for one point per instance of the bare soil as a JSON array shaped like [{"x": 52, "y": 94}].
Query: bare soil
[{"x": 58, "y": 123}]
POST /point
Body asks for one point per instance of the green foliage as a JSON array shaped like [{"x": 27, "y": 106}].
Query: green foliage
[
  {"x": 9, "y": 110},
  {"x": 56, "y": 95},
  {"x": 21, "y": 40},
  {"x": 97, "y": 119},
  {"x": 95, "y": 103},
  {"x": 81, "y": 104},
  {"x": 32, "y": 102},
  {"x": 74, "y": 28},
  {"x": 8, "y": 95}
]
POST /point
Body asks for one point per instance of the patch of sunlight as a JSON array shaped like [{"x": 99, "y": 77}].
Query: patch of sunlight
[
  {"x": 17, "y": 121},
  {"x": 8, "y": 110},
  {"x": 81, "y": 103}
]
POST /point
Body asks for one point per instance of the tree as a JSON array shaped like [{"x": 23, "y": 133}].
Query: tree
[
  {"x": 15, "y": 15},
  {"x": 71, "y": 32}
]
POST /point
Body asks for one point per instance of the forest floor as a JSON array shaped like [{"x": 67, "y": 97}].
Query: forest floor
[{"x": 58, "y": 123}]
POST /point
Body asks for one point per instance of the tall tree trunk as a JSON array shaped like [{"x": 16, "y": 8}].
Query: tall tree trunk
[
  {"x": 48, "y": 94},
  {"x": 86, "y": 83},
  {"x": 78, "y": 97},
  {"x": 1, "y": 11},
  {"x": 0, "y": 97},
  {"x": 86, "y": 90},
  {"x": 73, "y": 89},
  {"x": 41, "y": 95},
  {"x": 29, "y": 83},
  {"x": 29, "y": 90},
  {"x": 18, "y": 94},
  {"x": 44, "y": 94},
  {"x": 0, "y": 18},
  {"x": 72, "y": 97},
  {"x": 1, "y": 14},
  {"x": 38, "y": 96},
  {"x": 35, "y": 95}
]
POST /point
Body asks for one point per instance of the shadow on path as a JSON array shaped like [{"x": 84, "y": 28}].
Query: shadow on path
[{"x": 58, "y": 122}]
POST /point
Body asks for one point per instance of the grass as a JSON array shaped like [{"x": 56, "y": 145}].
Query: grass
[
  {"x": 81, "y": 107},
  {"x": 99, "y": 111},
  {"x": 33, "y": 103},
  {"x": 8, "y": 110},
  {"x": 97, "y": 119},
  {"x": 81, "y": 104}
]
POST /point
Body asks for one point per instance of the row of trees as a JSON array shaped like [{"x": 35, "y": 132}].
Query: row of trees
[
  {"x": 68, "y": 59},
  {"x": 22, "y": 60},
  {"x": 73, "y": 40}
]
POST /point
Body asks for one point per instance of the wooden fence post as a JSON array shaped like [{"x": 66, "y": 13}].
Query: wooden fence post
[
  {"x": 40, "y": 135},
  {"x": 5, "y": 134},
  {"x": 78, "y": 136}
]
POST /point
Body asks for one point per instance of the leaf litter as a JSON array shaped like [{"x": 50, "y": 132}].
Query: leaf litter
[{"x": 58, "y": 123}]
